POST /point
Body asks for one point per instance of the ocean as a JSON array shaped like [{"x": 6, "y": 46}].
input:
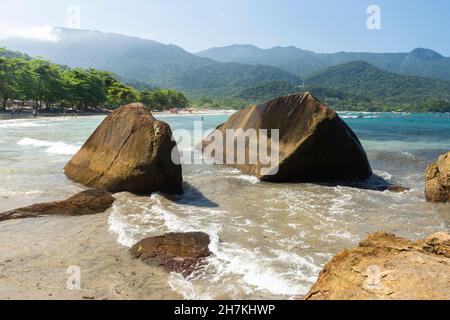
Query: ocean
[{"x": 269, "y": 241}]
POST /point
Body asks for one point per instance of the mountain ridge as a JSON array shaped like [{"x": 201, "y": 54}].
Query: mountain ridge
[
  {"x": 419, "y": 61},
  {"x": 157, "y": 64}
]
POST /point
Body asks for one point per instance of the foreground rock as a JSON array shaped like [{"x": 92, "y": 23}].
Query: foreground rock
[
  {"x": 84, "y": 203},
  {"x": 437, "y": 180},
  {"x": 130, "y": 151},
  {"x": 315, "y": 144},
  {"x": 388, "y": 267},
  {"x": 179, "y": 252}
]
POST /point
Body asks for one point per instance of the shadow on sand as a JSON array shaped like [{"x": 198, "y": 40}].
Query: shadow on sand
[{"x": 192, "y": 197}]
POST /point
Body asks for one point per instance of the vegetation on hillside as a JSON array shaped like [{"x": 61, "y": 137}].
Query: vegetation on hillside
[
  {"x": 150, "y": 62},
  {"x": 51, "y": 87},
  {"x": 362, "y": 87},
  {"x": 303, "y": 63}
]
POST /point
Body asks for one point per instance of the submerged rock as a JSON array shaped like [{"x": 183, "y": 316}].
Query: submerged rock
[
  {"x": 388, "y": 267},
  {"x": 130, "y": 151},
  {"x": 314, "y": 143},
  {"x": 437, "y": 180},
  {"x": 84, "y": 203},
  {"x": 179, "y": 252}
]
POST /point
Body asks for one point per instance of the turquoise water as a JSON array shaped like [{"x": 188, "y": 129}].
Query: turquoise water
[{"x": 269, "y": 241}]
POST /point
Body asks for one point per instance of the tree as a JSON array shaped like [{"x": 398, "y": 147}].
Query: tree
[
  {"x": 12, "y": 72},
  {"x": 163, "y": 99},
  {"x": 48, "y": 85},
  {"x": 119, "y": 94}
]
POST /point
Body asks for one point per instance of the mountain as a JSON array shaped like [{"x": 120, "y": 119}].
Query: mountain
[
  {"x": 150, "y": 62},
  {"x": 361, "y": 86},
  {"x": 297, "y": 61},
  {"x": 419, "y": 62}
]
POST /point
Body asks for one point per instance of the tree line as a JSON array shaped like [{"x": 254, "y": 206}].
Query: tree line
[{"x": 51, "y": 86}]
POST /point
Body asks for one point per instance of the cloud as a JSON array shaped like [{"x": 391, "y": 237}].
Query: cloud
[{"x": 46, "y": 33}]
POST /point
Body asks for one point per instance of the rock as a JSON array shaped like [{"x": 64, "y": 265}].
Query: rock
[
  {"x": 130, "y": 151},
  {"x": 179, "y": 252},
  {"x": 388, "y": 267},
  {"x": 396, "y": 188},
  {"x": 84, "y": 203},
  {"x": 315, "y": 144},
  {"x": 437, "y": 180}
]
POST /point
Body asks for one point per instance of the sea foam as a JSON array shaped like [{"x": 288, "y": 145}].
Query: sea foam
[{"x": 52, "y": 147}]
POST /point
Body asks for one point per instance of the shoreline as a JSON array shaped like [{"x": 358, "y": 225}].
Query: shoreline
[
  {"x": 37, "y": 264},
  {"x": 28, "y": 115}
]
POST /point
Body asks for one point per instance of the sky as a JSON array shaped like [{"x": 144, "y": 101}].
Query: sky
[{"x": 195, "y": 25}]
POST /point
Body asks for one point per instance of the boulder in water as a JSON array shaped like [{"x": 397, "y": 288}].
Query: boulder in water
[
  {"x": 437, "y": 180},
  {"x": 314, "y": 143},
  {"x": 388, "y": 267},
  {"x": 84, "y": 203},
  {"x": 130, "y": 151},
  {"x": 179, "y": 252}
]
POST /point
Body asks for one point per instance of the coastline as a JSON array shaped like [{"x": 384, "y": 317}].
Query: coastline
[
  {"x": 35, "y": 265},
  {"x": 28, "y": 115}
]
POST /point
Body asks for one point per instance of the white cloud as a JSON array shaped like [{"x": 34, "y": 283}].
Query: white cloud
[{"x": 46, "y": 33}]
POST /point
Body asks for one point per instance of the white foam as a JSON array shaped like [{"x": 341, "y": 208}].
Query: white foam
[
  {"x": 52, "y": 147},
  {"x": 12, "y": 193},
  {"x": 383, "y": 174},
  {"x": 247, "y": 178},
  {"x": 19, "y": 124},
  {"x": 256, "y": 271}
]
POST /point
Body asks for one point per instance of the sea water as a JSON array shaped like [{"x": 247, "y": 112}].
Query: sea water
[{"x": 269, "y": 241}]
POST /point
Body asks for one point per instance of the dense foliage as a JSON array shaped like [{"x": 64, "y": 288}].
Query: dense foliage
[
  {"x": 418, "y": 62},
  {"x": 50, "y": 86},
  {"x": 146, "y": 61},
  {"x": 363, "y": 87}
]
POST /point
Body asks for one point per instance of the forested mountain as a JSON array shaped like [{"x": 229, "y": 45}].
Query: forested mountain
[
  {"x": 343, "y": 80},
  {"x": 156, "y": 64},
  {"x": 420, "y": 62},
  {"x": 361, "y": 86}
]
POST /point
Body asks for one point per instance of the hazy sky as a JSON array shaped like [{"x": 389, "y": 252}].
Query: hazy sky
[{"x": 318, "y": 25}]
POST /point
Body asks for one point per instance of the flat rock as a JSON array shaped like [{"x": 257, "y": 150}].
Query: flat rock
[
  {"x": 437, "y": 180},
  {"x": 130, "y": 151},
  {"x": 178, "y": 252},
  {"x": 314, "y": 143},
  {"x": 84, "y": 203},
  {"x": 387, "y": 267}
]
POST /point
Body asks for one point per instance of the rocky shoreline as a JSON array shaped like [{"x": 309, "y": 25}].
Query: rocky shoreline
[{"x": 131, "y": 151}]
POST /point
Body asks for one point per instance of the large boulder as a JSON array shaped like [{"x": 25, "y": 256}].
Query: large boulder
[
  {"x": 84, "y": 203},
  {"x": 314, "y": 143},
  {"x": 437, "y": 180},
  {"x": 179, "y": 252},
  {"x": 388, "y": 267},
  {"x": 130, "y": 151}
]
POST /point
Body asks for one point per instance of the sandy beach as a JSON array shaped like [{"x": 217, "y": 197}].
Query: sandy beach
[{"x": 34, "y": 265}]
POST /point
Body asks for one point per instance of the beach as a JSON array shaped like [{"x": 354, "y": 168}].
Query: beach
[{"x": 268, "y": 241}]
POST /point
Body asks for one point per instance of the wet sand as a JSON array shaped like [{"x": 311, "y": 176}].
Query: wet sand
[{"x": 35, "y": 255}]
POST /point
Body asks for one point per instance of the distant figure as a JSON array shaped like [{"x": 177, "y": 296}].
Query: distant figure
[{"x": 34, "y": 114}]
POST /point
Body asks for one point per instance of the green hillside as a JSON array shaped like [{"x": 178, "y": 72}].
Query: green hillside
[
  {"x": 361, "y": 86},
  {"x": 418, "y": 62},
  {"x": 156, "y": 64}
]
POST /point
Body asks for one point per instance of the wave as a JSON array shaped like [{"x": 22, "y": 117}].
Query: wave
[
  {"x": 246, "y": 178},
  {"x": 359, "y": 117},
  {"x": 19, "y": 124},
  {"x": 255, "y": 270},
  {"x": 52, "y": 147},
  {"x": 12, "y": 193}
]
